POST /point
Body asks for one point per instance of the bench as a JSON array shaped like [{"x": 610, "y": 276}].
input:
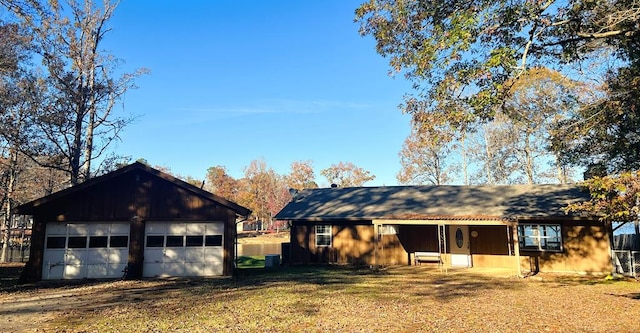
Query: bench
[{"x": 420, "y": 257}]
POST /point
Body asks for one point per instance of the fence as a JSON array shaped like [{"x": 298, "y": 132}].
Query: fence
[
  {"x": 259, "y": 249},
  {"x": 627, "y": 262},
  {"x": 626, "y": 242}
]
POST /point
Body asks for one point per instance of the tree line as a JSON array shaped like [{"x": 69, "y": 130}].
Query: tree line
[{"x": 266, "y": 192}]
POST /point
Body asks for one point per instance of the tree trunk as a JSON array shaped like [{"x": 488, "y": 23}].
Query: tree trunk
[
  {"x": 489, "y": 157},
  {"x": 463, "y": 153},
  {"x": 75, "y": 149},
  {"x": 6, "y": 237},
  {"x": 528, "y": 161}
]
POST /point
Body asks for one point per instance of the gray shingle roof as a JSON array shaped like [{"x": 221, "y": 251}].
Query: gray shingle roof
[{"x": 432, "y": 202}]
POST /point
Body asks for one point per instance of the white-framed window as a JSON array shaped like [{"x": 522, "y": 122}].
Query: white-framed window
[
  {"x": 323, "y": 235},
  {"x": 388, "y": 229},
  {"x": 540, "y": 237}
]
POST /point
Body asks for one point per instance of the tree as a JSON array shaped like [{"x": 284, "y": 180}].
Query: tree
[
  {"x": 424, "y": 157},
  {"x": 18, "y": 100},
  {"x": 219, "y": 182},
  {"x": 301, "y": 175},
  {"x": 613, "y": 198},
  {"x": 266, "y": 192},
  {"x": 472, "y": 52},
  {"x": 604, "y": 137},
  {"x": 78, "y": 123},
  {"x": 346, "y": 175}
]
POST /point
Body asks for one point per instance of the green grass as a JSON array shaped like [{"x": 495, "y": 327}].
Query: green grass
[{"x": 250, "y": 262}]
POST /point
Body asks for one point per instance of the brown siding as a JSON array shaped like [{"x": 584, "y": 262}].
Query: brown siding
[
  {"x": 391, "y": 251},
  {"x": 228, "y": 261},
  {"x": 489, "y": 240},
  {"x": 351, "y": 243},
  {"x": 586, "y": 249},
  {"x": 354, "y": 243},
  {"x": 585, "y": 246},
  {"x": 419, "y": 238}
]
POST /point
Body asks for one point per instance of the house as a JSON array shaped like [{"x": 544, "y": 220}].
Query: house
[
  {"x": 524, "y": 227},
  {"x": 136, "y": 221}
]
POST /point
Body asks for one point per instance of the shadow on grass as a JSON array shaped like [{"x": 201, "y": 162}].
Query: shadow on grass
[{"x": 295, "y": 282}]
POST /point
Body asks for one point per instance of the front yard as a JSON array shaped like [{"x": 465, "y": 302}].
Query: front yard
[{"x": 322, "y": 299}]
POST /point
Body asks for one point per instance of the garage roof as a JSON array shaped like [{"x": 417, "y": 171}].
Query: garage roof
[
  {"x": 433, "y": 202},
  {"x": 30, "y": 207}
]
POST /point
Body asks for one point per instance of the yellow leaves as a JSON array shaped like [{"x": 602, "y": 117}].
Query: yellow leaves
[{"x": 613, "y": 198}]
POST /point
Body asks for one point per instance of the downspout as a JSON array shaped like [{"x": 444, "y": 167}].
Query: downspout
[{"x": 235, "y": 251}]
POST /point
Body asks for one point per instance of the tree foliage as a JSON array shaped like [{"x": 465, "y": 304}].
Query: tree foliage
[
  {"x": 346, "y": 175},
  {"x": 219, "y": 182},
  {"x": 424, "y": 157},
  {"x": 465, "y": 58},
  {"x": 613, "y": 198},
  {"x": 301, "y": 175},
  {"x": 605, "y": 136}
]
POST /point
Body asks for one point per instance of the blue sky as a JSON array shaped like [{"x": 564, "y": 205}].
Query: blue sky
[{"x": 234, "y": 81}]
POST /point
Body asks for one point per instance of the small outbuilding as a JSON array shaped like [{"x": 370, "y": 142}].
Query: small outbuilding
[
  {"x": 524, "y": 228},
  {"x": 133, "y": 222}
]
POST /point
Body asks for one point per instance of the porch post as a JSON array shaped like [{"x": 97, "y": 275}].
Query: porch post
[
  {"x": 516, "y": 247},
  {"x": 375, "y": 244}
]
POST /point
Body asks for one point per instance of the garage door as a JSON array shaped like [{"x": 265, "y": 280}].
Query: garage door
[
  {"x": 183, "y": 249},
  {"x": 85, "y": 250}
]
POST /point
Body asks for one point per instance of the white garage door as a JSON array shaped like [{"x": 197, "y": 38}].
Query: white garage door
[
  {"x": 183, "y": 249},
  {"x": 85, "y": 250}
]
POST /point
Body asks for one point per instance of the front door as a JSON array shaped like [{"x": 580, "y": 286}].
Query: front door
[{"x": 459, "y": 245}]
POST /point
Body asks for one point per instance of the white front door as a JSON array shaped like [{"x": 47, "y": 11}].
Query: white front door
[{"x": 459, "y": 245}]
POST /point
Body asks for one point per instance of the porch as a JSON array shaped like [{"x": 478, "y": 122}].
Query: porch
[{"x": 448, "y": 244}]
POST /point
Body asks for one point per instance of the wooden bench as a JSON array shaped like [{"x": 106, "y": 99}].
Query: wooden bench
[{"x": 420, "y": 257}]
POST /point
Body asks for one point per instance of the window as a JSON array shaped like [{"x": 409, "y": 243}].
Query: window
[
  {"x": 540, "y": 237},
  {"x": 194, "y": 241},
  {"x": 56, "y": 242},
  {"x": 213, "y": 240},
  {"x": 323, "y": 235},
  {"x": 119, "y": 241},
  {"x": 175, "y": 241},
  {"x": 388, "y": 229},
  {"x": 155, "y": 241},
  {"x": 98, "y": 241},
  {"x": 77, "y": 242}
]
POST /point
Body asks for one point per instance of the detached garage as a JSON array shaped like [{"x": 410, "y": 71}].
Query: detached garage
[{"x": 133, "y": 222}]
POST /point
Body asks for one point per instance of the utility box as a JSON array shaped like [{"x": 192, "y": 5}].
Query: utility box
[{"x": 271, "y": 260}]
